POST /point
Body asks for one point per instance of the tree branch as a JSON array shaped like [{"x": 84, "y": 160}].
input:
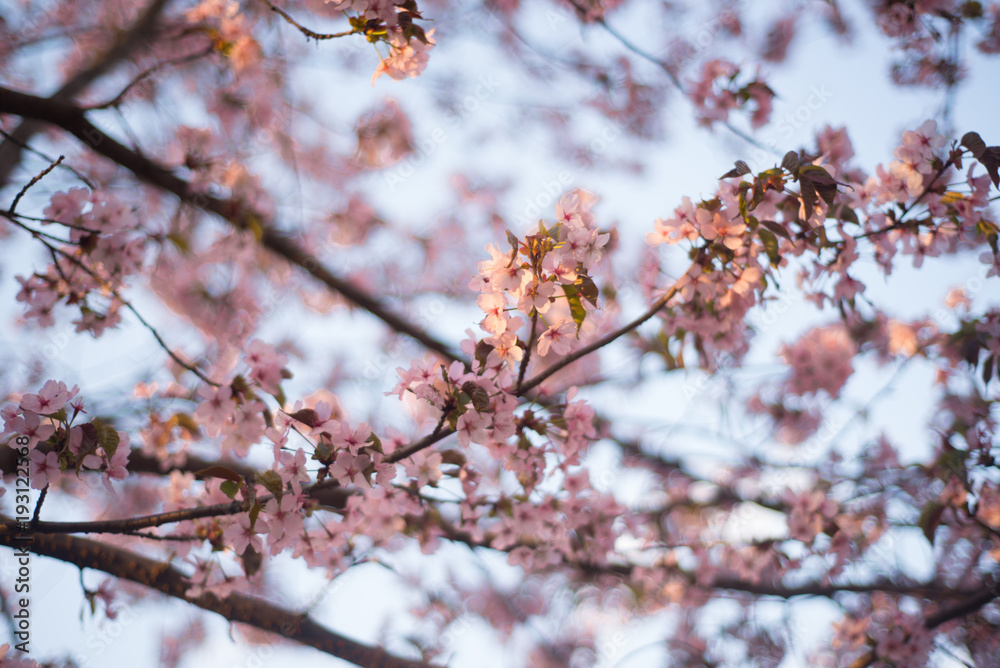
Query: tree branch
[
  {"x": 72, "y": 119},
  {"x": 963, "y": 608},
  {"x": 598, "y": 344},
  {"x": 137, "y": 37},
  {"x": 235, "y": 607}
]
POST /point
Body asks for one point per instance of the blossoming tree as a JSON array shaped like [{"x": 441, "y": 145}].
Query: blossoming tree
[{"x": 177, "y": 175}]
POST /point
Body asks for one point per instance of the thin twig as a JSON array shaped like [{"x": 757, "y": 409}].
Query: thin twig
[
  {"x": 116, "y": 100},
  {"x": 38, "y": 177},
  {"x": 117, "y": 295},
  {"x": 674, "y": 79},
  {"x": 17, "y": 142},
  {"x": 306, "y": 31},
  {"x": 597, "y": 345},
  {"x": 38, "y": 507}
]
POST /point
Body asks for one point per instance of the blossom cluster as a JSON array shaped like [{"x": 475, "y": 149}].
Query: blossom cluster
[
  {"x": 102, "y": 250},
  {"x": 547, "y": 276},
  {"x": 717, "y": 93},
  {"x": 57, "y": 445}
]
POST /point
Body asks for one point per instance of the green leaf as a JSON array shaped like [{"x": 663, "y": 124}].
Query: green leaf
[
  {"x": 821, "y": 181},
  {"x": 844, "y": 213},
  {"x": 988, "y": 369},
  {"x": 483, "y": 351},
  {"x": 970, "y": 350},
  {"x": 413, "y": 30},
  {"x": 240, "y": 386},
  {"x": 252, "y": 561},
  {"x": 451, "y": 456},
  {"x": 272, "y": 482},
  {"x": 770, "y": 246},
  {"x": 107, "y": 436},
  {"x": 809, "y": 198},
  {"x": 185, "y": 422},
  {"x": 376, "y": 443},
  {"x": 575, "y": 306},
  {"x": 229, "y": 488}
]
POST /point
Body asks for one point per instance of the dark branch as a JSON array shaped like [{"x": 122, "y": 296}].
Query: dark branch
[
  {"x": 235, "y": 607},
  {"x": 72, "y": 119}
]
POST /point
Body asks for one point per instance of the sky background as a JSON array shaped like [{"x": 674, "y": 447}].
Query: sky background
[{"x": 860, "y": 98}]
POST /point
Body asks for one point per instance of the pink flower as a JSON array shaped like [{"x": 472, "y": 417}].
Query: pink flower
[
  {"x": 676, "y": 229},
  {"x": 352, "y": 440},
  {"x": 472, "y": 428},
  {"x": 537, "y": 297},
  {"x": 67, "y": 207},
  {"x": 493, "y": 306},
  {"x": 821, "y": 360},
  {"x": 217, "y": 407},
  {"x": 240, "y": 535},
  {"x": 505, "y": 349},
  {"x": 573, "y": 208},
  {"x": 558, "y": 338},
  {"x": 348, "y": 468},
  {"x": 406, "y": 58},
  {"x": 285, "y": 522},
  {"x": 267, "y": 365},
  {"x": 715, "y": 225},
  {"x": 810, "y": 513},
  {"x": 29, "y": 424},
  {"x": 292, "y": 469},
  {"x": 425, "y": 467},
  {"x": 44, "y": 468},
  {"x": 52, "y": 397}
]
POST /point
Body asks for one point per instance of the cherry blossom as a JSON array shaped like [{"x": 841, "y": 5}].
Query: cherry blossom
[{"x": 636, "y": 433}]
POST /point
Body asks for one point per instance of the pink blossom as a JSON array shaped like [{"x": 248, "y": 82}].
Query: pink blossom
[
  {"x": 266, "y": 365},
  {"x": 425, "y": 467},
  {"x": 51, "y": 399},
  {"x": 352, "y": 440},
  {"x": 821, "y": 360},
  {"x": 714, "y": 225},
  {"x": 674, "y": 230},
  {"x": 810, "y": 513},
  {"x": 292, "y": 469},
  {"x": 573, "y": 208},
  {"x": 348, "y": 468},
  {"x": 494, "y": 306},
  {"x": 218, "y": 406},
  {"x": 67, "y": 207},
  {"x": 240, "y": 535},
  {"x": 472, "y": 428},
  {"x": 407, "y": 58},
  {"x": 29, "y": 424},
  {"x": 284, "y": 521},
  {"x": 558, "y": 338},
  {"x": 44, "y": 468},
  {"x": 505, "y": 349}
]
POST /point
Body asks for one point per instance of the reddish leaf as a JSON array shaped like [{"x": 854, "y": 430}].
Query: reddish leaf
[{"x": 218, "y": 471}]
